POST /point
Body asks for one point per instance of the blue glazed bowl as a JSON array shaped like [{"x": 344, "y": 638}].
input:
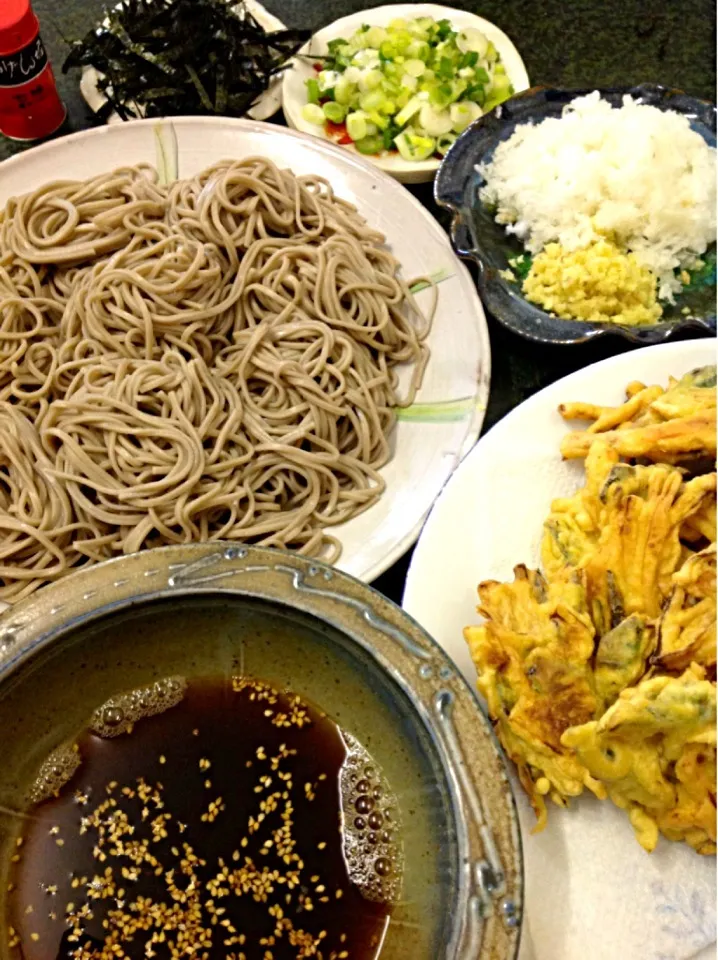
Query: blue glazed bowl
[{"x": 476, "y": 235}]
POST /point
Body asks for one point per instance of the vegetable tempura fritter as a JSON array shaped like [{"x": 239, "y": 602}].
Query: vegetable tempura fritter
[
  {"x": 687, "y": 627},
  {"x": 646, "y": 749},
  {"x": 532, "y": 657},
  {"x": 623, "y": 531},
  {"x": 662, "y": 426},
  {"x": 599, "y": 672},
  {"x": 621, "y": 656}
]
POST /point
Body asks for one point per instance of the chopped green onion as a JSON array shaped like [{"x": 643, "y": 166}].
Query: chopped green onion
[
  {"x": 313, "y": 113},
  {"x": 444, "y": 142},
  {"x": 414, "y": 67},
  {"x": 476, "y": 94},
  {"x": 378, "y": 121},
  {"x": 419, "y": 49},
  {"x": 375, "y": 37},
  {"x": 474, "y": 40},
  {"x": 405, "y": 115},
  {"x": 312, "y": 91},
  {"x": 344, "y": 91},
  {"x": 446, "y": 68},
  {"x": 388, "y": 135},
  {"x": 434, "y": 122},
  {"x": 462, "y": 114},
  {"x": 370, "y": 145},
  {"x": 335, "y": 112},
  {"x": 356, "y": 125},
  {"x": 413, "y": 147},
  {"x": 370, "y": 80},
  {"x": 372, "y": 100}
]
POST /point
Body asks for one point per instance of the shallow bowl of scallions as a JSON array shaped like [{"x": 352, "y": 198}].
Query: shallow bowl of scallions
[{"x": 398, "y": 84}]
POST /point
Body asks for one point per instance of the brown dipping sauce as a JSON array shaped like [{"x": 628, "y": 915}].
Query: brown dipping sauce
[{"x": 211, "y": 829}]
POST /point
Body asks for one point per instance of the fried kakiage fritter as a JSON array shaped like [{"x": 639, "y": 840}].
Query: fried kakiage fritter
[
  {"x": 599, "y": 671},
  {"x": 687, "y": 626},
  {"x": 532, "y": 657},
  {"x": 654, "y": 749},
  {"x": 668, "y": 426},
  {"x": 623, "y": 532}
]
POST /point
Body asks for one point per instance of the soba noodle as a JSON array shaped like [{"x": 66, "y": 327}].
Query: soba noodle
[{"x": 209, "y": 360}]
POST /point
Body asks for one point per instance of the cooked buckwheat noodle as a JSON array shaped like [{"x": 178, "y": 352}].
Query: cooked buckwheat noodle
[{"x": 213, "y": 359}]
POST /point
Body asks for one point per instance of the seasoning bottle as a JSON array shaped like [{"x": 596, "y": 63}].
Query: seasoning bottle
[{"x": 30, "y": 106}]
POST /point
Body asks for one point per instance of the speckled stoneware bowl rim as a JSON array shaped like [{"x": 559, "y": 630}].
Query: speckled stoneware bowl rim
[
  {"x": 488, "y": 888},
  {"x": 502, "y": 299}
]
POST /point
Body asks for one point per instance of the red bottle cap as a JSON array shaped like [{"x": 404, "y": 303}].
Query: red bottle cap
[{"x": 18, "y": 25}]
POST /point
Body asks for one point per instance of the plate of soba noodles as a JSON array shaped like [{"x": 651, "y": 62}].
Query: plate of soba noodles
[{"x": 217, "y": 329}]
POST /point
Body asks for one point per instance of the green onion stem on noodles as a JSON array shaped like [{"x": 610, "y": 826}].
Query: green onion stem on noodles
[{"x": 211, "y": 358}]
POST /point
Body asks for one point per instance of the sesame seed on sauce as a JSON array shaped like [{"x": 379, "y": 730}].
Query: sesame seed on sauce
[{"x": 166, "y": 870}]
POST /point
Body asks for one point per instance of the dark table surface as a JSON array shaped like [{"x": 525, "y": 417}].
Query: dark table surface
[{"x": 569, "y": 43}]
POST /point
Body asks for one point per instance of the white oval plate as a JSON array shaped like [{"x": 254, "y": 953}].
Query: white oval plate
[
  {"x": 263, "y": 108},
  {"x": 443, "y": 424},
  {"x": 591, "y": 890},
  {"x": 294, "y": 94}
]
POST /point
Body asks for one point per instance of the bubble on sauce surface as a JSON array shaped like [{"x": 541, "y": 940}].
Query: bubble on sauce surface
[
  {"x": 374, "y": 859},
  {"x": 116, "y": 716},
  {"x": 119, "y": 714},
  {"x": 56, "y": 771}
]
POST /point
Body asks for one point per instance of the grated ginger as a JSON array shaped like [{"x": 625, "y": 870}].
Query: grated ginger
[{"x": 598, "y": 283}]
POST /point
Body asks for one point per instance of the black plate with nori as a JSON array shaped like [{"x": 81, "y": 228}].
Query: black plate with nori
[{"x": 161, "y": 58}]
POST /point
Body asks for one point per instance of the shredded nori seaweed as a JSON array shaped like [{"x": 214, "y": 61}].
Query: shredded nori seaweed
[{"x": 168, "y": 57}]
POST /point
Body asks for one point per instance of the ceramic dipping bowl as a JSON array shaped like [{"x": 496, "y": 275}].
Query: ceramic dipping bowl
[{"x": 225, "y": 610}]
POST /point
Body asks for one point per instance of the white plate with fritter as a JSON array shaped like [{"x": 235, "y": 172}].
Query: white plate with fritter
[{"x": 591, "y": 891}]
